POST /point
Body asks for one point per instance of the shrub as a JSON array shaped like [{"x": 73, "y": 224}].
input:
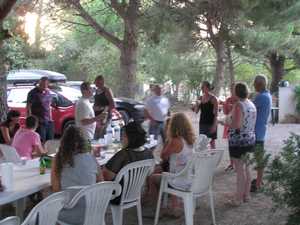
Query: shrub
[
  {"x": 297, "y": 96},
  {"x": 283, "y": 178}
]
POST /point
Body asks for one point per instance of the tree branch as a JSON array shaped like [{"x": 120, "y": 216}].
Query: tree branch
[
  {"x": 290, "y": 69},
  {"x": 75, "y": 23},
  {"x": 97, "y": 27}
]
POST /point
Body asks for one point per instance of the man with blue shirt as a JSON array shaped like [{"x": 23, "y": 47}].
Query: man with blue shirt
[{"x": 263, "y": 103}]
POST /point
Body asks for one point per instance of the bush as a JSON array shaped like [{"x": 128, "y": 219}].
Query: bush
[
  {"x": 297, "y": 96},
  {"x": 283, "y": 178}
]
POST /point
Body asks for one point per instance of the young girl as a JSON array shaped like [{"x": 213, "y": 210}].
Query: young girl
[{"x": 74, "y": 166}]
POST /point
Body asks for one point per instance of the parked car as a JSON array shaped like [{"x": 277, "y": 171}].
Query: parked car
[
  {"x": 129, "y": 108},
  {"x": 63, "y": 108},
  {"x": 32, "y": 76}
]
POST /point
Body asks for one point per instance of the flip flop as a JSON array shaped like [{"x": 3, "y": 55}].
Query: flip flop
[{"x": 233, "y": 203}]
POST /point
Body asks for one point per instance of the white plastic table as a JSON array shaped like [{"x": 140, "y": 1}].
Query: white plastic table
[{"x": 26, "y": 181}]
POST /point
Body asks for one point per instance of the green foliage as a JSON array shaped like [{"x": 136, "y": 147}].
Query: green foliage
[
  {"x": 283, "y": 176},
  {"x": 260, "y": 158},
  {"x": 297, "y": 96},
  {"x": 14, "y": 50},
  {"x": 247, "y": 71}
]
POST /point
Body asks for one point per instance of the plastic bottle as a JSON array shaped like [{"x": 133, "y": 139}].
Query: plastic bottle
[
  {"x": 42, "y": 166},
  {"x": 117, "y": 129},
  {"x": 109, "y": 133}
]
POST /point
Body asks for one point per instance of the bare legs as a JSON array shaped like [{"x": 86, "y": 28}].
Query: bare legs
[
  {"x": 212, "y": 144},
  {"x": 259, "y": 178},
  {"x": 243, "y": 180}
]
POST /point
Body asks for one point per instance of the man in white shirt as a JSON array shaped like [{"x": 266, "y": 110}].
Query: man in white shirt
[
  {"x": 156, "y": 110},
  {"x": 84, "y": 113}
]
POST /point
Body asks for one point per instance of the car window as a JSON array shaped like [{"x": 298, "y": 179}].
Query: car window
[
  {"x": 69, "y": 93},
  {"x": 18, "y": 95}
]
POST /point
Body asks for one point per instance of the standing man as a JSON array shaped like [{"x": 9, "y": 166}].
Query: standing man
[
  {"x": 84, "y": 113},
  {"x": 263, "y": 103},
  {"x": 103, "y": 101},
  {"x": 156, "y": 110},
  {"x": 39, "y": 101}
]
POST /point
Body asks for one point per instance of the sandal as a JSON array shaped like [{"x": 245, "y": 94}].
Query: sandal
[
  {"x": 229, "y": 168},
  {"x": 233, "y": 203}
]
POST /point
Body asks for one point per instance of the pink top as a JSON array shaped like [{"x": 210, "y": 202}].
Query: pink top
[{"x": 24, "y": 140}]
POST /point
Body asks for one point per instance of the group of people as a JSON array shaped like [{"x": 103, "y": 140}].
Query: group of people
[
  {"x": 245, "y": 127},
  {"x": 74, "y": 164}
]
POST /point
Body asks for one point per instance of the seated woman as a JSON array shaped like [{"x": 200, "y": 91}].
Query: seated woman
[
  {"x": 178, "y": 150},
  {"x": 26, "y": 141},
  {"x": 133, "y": 140},
  {"x": 9, "y": 127},
  {"x": 73, "y": 165}
]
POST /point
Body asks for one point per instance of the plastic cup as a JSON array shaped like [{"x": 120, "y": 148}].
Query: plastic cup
[{"x": 151, "y": 137}]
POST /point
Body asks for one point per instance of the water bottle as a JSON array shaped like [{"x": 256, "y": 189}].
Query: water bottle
[
  {"x": 109, "y": 133},
  {"x": 117, "y": 129}
]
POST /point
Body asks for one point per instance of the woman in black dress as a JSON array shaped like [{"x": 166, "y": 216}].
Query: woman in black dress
[
  {"x": 9, "y": 127},
  {"x": 208, "y": 105},
  {"x": 104, "y": 102}
]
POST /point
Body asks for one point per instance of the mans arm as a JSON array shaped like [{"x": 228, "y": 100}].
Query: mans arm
[
  {"x": 84, "y": 115},
  {"x": 147, "y": 115}
]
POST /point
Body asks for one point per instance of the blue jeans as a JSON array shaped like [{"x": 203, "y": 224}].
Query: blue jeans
[
  {"x": 157, "y": 128},
  {"x": 46, "y": 131}
]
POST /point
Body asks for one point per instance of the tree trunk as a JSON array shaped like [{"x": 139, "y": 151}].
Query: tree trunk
[
  {"x": 3, "y": 97},
  {"x": 230, "y": 66},
  {"x": 218, "y": 81},
  {"x": 277, "y": 66},
  {"x": 128, "y": 70},
  {"x": 128, "y": 58}
]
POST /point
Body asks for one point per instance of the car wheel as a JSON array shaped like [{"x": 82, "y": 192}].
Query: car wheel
[
  {"x": 125, "y": 116},
  {"x": 68, "y": 123}
]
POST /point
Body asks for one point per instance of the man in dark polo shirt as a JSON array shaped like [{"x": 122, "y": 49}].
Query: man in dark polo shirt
[{"x": 39, "y": 100}]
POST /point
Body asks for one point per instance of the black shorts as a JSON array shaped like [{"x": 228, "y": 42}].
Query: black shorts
[
  {"x": 237, "y": 151},
  {"x": 205, "y": 129}
]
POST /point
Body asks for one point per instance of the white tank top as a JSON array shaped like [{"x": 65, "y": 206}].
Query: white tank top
[{"x": 177, "y": 163}]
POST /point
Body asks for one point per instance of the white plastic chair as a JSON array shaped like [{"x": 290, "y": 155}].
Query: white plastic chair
[
  {"x": 201, "y": 143},
  {"x": 97, "y": 197},
  {"x": 52, "y": 146},
  {"x": 218, "y": 151},
  {"x": 200, "y": 170},
  {"x": 12, "y": 220},
  {"x": 133, "y": 177},
  {"x": 9, "y": 154},
  {"x": 46, "y": 212}
]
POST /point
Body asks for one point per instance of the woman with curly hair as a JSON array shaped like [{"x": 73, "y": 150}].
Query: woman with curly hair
[
  {"x": 74, "y": 165},
  {"x": 178, "y": 151}
]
